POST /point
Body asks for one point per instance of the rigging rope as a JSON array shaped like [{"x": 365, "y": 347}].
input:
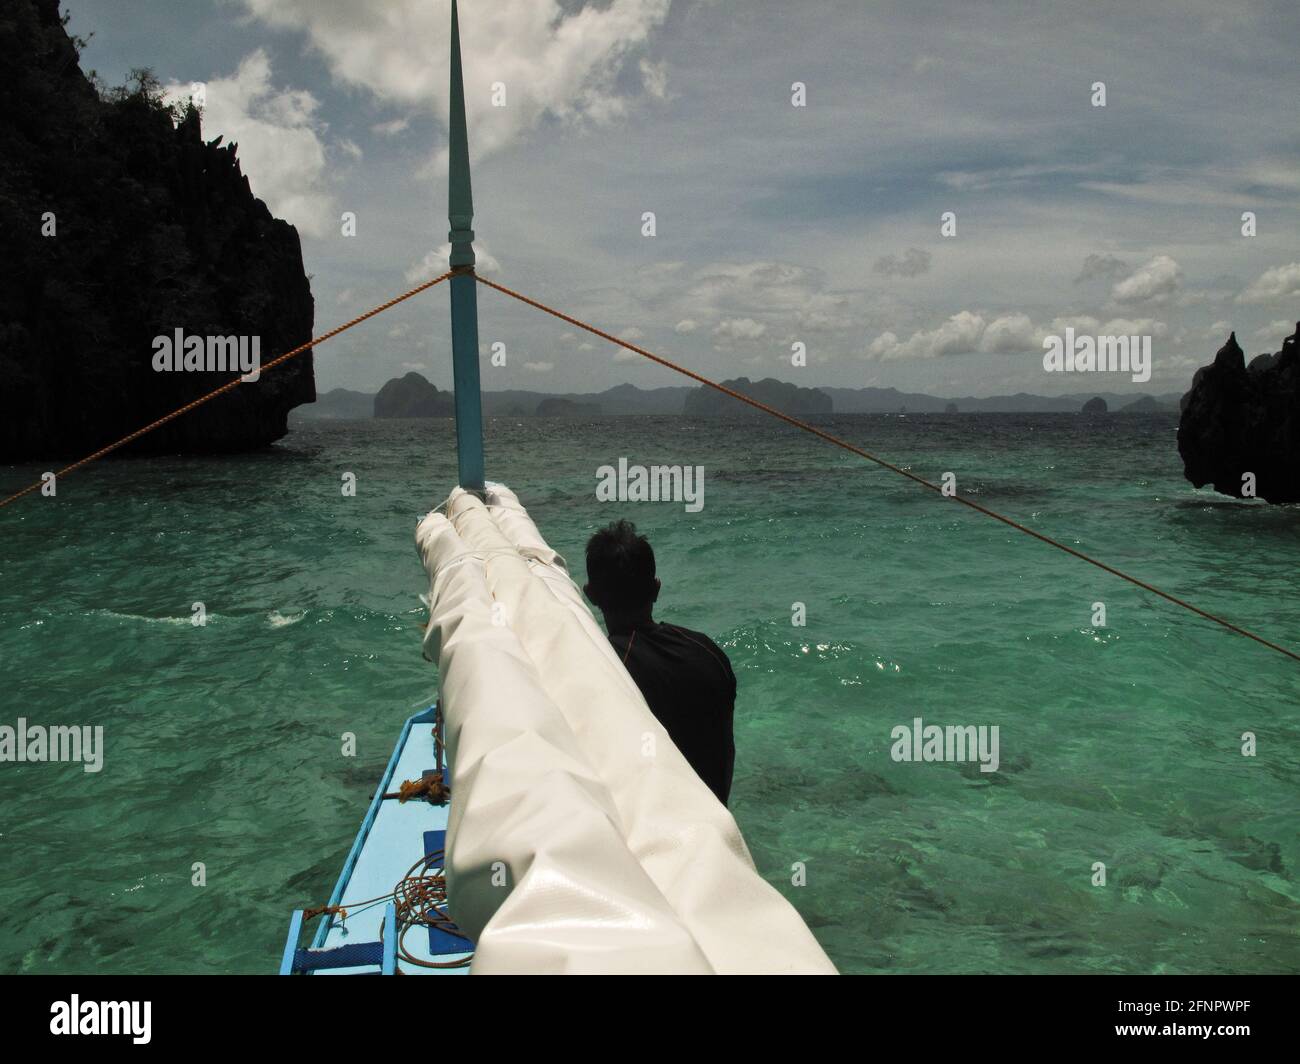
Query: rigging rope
[
  {"x": 420, "y": 900},
  {"x": 228, "y": 386},
  {"x": 797, "y": 423},
  {"x": 789, "y": 419}
]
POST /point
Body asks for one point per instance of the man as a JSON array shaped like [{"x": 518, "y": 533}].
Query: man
[{"x": 684, "y": 677}]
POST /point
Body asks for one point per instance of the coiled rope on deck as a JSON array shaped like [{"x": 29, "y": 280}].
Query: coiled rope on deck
[
  {"x": 420, "y": 900},
  {"x": 228, "y": 386},
  {"x": 851, "y": 448}
]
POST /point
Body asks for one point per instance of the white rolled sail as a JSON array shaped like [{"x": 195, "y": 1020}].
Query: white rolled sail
[{"x": 580, "y": 840}]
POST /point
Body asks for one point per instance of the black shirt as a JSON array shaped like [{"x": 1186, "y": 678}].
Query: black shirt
[{"x": 688, "y": 683}]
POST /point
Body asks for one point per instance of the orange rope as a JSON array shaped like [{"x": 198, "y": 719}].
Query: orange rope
[
  {"x": 419, "y": 899},
  {"x": 887, "y": 465},
  {"x": 228, "y": 386}
]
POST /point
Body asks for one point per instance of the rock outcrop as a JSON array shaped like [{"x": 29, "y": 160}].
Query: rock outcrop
[
  {"x": 413, "y": 396},
  {"x": 787, "y": 398},
  {"x": 1240, "y": 419},
  {"x": 121, "y": 225},
  {"x": 1095, "y": 405}
]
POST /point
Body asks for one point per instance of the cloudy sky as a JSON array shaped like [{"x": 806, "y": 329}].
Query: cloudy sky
[{"x": 775, "y": 224}]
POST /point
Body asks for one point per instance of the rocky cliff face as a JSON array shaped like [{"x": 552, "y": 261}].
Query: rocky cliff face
[
  {"x": 780, "y": 395},
  {"x": 1240, "y": 419},
  {"x": 120, "y": 226}
]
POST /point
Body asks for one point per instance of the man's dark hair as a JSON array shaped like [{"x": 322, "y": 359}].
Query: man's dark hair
[{"x": 620, "y": 568}]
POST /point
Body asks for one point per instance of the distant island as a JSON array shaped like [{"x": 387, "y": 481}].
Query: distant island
[
  {"x": 787, "y": 398},
  {"x": 414, "y": 396},
  {"x": 558, "y": 406},
  {"x": 1145, "y": 405},
  {"x": 340, "y": 403}
]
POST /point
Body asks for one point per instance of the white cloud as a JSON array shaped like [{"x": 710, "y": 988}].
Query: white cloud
[
  {"x": 391, "y": 129},
  {"x": 790, "y": 301},
  {"x": 739, "y": 329},
  {"x": 1153, "y": 283},
  {"x": 279, "y": 137},
  {"x": 1010, "y": 177},
  {"x": 1086, "y": 325},
  {"x": 1010, "y": 333},
  {"x": 1281, "y": 282},
  {"x": 970, "y": 332},
  {"x": 654, "y": 76},
  {"x": 539, "y": 367},
  {"x": 553, "y": 60},
  {"x": 632, "y": 335},
  {"x": 1133, "y": 327},
  {"x": 1274, "y": 332},
  {"x": 435, "y": 262},
  {"x": 912, "y": 263},
  {"x": 1203, "y": 298},
  {"x": 961, "y": 333},
  {"x": 1083, "y": 324}
]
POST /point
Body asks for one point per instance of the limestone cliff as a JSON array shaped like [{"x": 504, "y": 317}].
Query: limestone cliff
[
  {"x": 1240, "y": 419},
  {"x": 119, "y": 224}
]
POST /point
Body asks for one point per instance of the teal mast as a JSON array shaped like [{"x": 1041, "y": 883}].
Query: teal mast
[{"x": 464, "y": 289}]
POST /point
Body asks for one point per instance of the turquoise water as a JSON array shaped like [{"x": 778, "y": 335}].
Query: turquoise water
[{"x": 1119, "y": 745}]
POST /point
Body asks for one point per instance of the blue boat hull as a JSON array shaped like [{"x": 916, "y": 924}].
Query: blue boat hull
[{"x": 394, "y": 836}]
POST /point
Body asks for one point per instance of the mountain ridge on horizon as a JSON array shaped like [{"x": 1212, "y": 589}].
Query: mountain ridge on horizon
[{"x": 629, "y": 399}]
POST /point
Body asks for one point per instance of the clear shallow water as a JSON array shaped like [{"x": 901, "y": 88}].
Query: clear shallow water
[{"x": 1119, "y": 745}]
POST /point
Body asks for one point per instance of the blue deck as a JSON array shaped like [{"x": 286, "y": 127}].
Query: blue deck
[{"x": 393, "y": 837}]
